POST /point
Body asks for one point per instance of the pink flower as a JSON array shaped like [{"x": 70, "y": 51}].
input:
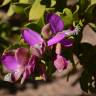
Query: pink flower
[
  {"x": 60, "y": 63},
  {"x": 19, "y": 63}
]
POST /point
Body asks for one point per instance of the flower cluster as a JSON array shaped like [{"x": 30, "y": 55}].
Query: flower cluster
[{"x": 22, "y": 63}]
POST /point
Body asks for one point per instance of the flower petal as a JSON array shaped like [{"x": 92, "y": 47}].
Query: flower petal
[
  {"x": 60, "y": 63},
  {"x": 17, "y": 74},
  {"x": 46, "y": 32},
  {"x": 31, "y": 37},
  {"x": 66, "y": 42},
  {"x": 58, "y": 37},
  {"x": 32, "y": 63},
  {"x": 56, "y": 23},
  {"x": 35, "y": 51},
  {"x": 25, "y": 76},
  {"x": 9, "y": 61},
  {"x": 22, "y": 56}
]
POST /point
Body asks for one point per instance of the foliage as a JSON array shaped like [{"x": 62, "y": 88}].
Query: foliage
[{"x": 15, "y": 15}]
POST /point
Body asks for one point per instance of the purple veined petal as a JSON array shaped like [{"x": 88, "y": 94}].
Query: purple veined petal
[
  {"x": 27, "y": 72},
  {"x": 17, "y": 74},
  {"x": 35, "y": 51},
  {"x": 57, "y": 38},
  {"x": 31, "y": 37},
  {"x": 22, "y": 56},
  {"x": 38, "y": 49},
  {"x": 66, "y": 42},
  {"x": 55, "y": 21},
  {"x": 9, "y": 61},
  {"x": 32, "y": 63},
  {"x": 25, "y": 76}
]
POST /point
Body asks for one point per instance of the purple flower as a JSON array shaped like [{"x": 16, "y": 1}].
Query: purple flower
[
  {"x": 58, "y": 37},
  {"x": 55, "y": 21},
  {"x": 58, "y": 34},
  {"x": 19, "y": 63},
  {"x": 36, "y": 42}
]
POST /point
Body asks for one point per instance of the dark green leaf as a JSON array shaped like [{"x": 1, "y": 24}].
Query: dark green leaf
[
  {"x": 90, "y": 12},
  {"x": 83, "y": 5},
  {"x": 75, "y": 14},
  {"x": 33, "y": 26}
]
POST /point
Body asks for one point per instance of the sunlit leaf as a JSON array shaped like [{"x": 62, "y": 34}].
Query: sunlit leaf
[
  {"x": 93, "y": 2},
  {"x": 18, "y": 9},
  {"x": 22, "y": 4},
  {"x": 53, "y": 2},
  {"x": 67, "y": 17},
  {"x": 10, "y": 11},
  {"x": 37, "y": 11},
  {"x": 5, "y": 2},
  {"x": 26, "y": 1},
  {"x": 23, "y": 1}
]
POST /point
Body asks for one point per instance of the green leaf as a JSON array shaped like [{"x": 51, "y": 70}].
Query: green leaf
[
  {"x": 5, "y": 2},
  {"x": 40, "y": 23},
  {"x": 93, "y": 2},
  {"x": 50, "y": 10},
  {"x": 26, "y": 11},
  {"x": 18, "y": 9},
  {"x": 26, "y": 1},
  {"x": 16, "y": 45},
  {"x": 37, "y": 11},
  {"x": 53, "y": 2},
  {"x": 67, "y": 17},
  {"x": 90, "y": 12},
  {"x": 75, "y": 14},
  {"x": 33, "y": 26},
  {"x": 23, "y": 5},
  {"x": 83, "y": 5},
  {"x": 23, "y": 1},
  {"x": 3, "y": 42},
  {"x": 10, "y": 11}
]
